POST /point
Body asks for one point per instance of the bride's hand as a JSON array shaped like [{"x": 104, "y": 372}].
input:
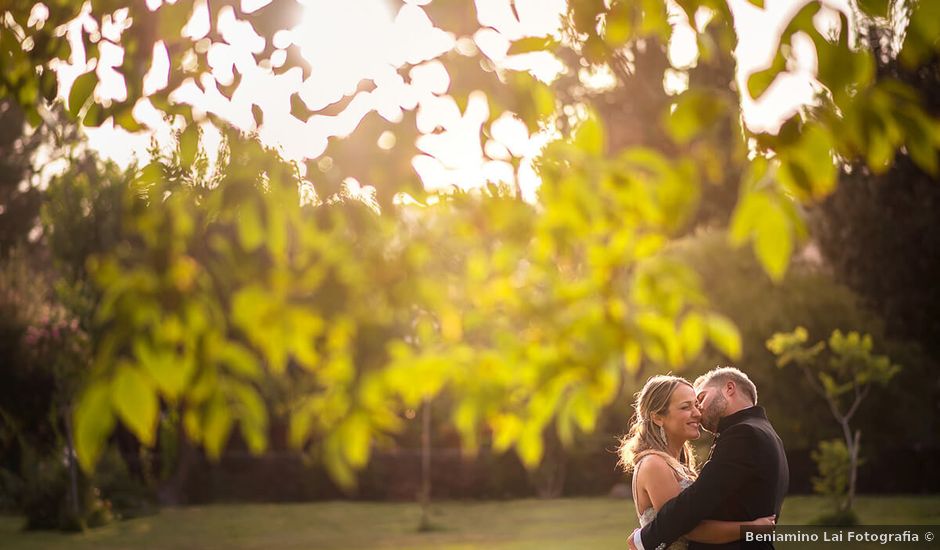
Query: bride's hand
[{"x": 764, "y": 522}]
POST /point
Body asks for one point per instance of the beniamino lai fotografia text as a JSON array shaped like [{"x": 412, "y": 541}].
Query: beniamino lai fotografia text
[{"x": 836, "y": 535}]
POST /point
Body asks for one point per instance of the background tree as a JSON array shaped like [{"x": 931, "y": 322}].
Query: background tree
[
  {"x": 876, "y": 230},
  {"x": 843, "y": 374},
  {"x": 19, "y": 207}
]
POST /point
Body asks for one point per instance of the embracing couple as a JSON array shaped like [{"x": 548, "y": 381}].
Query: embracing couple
[{"x": 742, "y": 483}]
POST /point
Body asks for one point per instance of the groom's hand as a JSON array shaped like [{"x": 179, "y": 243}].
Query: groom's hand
[{"x": 630, "y": 540}]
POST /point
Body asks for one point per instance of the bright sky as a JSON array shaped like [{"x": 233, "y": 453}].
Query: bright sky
[{"x": 346, "y": 42}]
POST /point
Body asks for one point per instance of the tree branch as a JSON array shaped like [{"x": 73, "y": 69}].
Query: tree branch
[{"x": 859, "y": 396}]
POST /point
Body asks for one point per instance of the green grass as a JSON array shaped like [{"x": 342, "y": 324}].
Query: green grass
[{"x": 565, "y": 523}]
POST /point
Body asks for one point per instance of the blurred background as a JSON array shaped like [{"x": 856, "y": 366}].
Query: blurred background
[{"x": 407, "y": 263}]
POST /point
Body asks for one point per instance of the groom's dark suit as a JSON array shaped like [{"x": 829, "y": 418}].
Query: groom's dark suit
[{"x": 745, "y": 478}]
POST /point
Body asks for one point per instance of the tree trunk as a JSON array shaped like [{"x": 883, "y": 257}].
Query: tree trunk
[
  {"x": 73, "y": 471},
  {"x": 425, "y": 495},
  {"x": 172, "y": 491},
  {"x": 549, "y": 478},
  {"x": 853, "y": 469},
  {"x": 851, "y": 444}
]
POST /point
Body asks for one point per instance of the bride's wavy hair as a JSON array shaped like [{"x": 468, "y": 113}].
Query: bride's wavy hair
[{"x": 644, "y": 437}]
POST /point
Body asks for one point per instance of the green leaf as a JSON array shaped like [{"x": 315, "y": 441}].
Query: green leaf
[
  {"x": 301, "y": 422},
  {"x": 745, "y": 217},
  {"x": 589, "y": 136},
  {"x": 632, "y": 356},
  {"x": 543, "y": 98},
  {"x": 135, "y": 401},
  {"x": 585, "y": 14},
  {"x": 807, "y": 168},
  {"x": 127, "y": 121},
  {"x": 759, "y": 81},
  {"x": 32, "y": 115},
  {"x": 923, "y": 154},
  {"x": 619, "y": 24},
  {"x": 695, "y": 111},
  {"x": 660, "y": 341},
  {"x": 584, "y": 410},
  {"x": 171, "y": 18},
  {"x": 506, "y": 429},
  {"x": 217, "y": 423},
  {"x": 240, "y": 360},
  {"x": 877, "y": 8},
  {"x": 532, "y": 44},
  {"x": 692, "y": 334},
  {"x": 94, "y": 421},
  {"x": 49, "y": 85},
  {"x": 841, "y": 69},
  {"x": 724, "y": 335},
  {"x": 253, "y": 416},
  {"x": 773, "y": 241},
  {"x": 336, "y": 465},
  {"x": 920, "y": 41},
  {"x": 81, "y": 90},
  {"x": 766, "y": 218},
  {"x": 530, "y": 445},
  {"x": 189, "y": 145},
  {"x": 94, "y": 116},
  {"x": 250, "y": 227},
  {"x": 169, "y": 370},
  {"x": 354, "y": 437},
  {"x": 655, "y": 20}
]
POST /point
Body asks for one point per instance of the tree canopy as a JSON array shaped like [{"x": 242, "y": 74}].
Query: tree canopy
[{"x": 265, "y": 269}]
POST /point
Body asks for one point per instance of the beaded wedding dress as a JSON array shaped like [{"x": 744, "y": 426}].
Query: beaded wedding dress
[{"x": 647, "y": 515}]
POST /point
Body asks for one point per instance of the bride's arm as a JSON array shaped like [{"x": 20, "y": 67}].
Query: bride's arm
[{"x": 718, "y": 532}]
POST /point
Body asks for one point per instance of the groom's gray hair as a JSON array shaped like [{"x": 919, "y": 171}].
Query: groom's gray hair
[{"x": 721, "y": 375}]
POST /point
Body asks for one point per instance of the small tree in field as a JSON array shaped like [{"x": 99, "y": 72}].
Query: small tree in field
[{"x": 843, "y": 374}]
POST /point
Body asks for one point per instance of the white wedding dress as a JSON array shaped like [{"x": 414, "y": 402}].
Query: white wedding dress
[{"x": 647, "y": 515}]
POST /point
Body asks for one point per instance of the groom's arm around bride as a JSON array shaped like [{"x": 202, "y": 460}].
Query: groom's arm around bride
[{"x": 745, "y": 478}]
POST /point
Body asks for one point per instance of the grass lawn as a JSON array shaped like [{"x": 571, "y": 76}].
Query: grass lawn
[{"x": 564, "y": 523}]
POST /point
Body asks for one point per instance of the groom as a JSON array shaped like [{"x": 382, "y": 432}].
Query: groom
[{"x": 746, "y": 475}]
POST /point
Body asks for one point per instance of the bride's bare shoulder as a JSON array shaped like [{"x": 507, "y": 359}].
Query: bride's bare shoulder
[{"x": 653, "y": 467}]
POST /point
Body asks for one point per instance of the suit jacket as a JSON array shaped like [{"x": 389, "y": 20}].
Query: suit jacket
[{"x": 746, "y": 477}]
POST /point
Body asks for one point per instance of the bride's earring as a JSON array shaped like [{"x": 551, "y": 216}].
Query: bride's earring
[{"x": 662, "y": 432}]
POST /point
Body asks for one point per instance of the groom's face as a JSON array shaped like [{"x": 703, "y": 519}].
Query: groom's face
[{"x": 713, "y": 405}]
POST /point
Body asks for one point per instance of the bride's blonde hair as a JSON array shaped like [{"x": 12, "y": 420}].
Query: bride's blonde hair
[{"x": 644, "y": 437}]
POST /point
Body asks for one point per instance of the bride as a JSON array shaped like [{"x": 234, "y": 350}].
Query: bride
[{"x": 658, "y": 451}]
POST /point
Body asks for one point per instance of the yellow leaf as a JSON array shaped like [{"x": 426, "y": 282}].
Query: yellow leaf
[
  {"x": 506, "y": 429},
  {"x": 94, "y": 421},
  {"x": 530, "y": 446},
  {"x": 356, "y": 444},
  {"x": 632, "y": 354},
  {"x": 135, "y": 401},
  {"x": 217, "y": 422},
  {"x": 253, "y": 417},
  {"x": 240, "y": 360},
  {"x": 301, "y": 421},
  {"x": 773, "y": 241},
  {"x": 692, "y": 335},
  {"x": 724, "y": 335},
  {"x": 250, "y": 227},
  {"x": 170, "y": 371},
  {"x": 589, "y": 137},
  {"x": 451, "y": 325},
  {"x": 82, "y": 88}
]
